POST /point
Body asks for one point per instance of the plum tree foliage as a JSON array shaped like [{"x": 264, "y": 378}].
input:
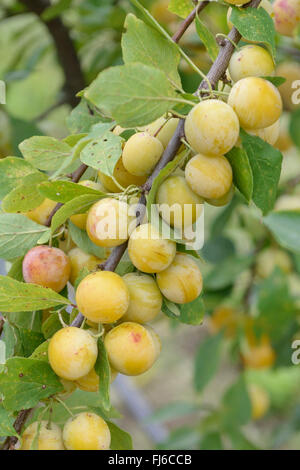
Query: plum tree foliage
[{"x": 95, "y": 210}]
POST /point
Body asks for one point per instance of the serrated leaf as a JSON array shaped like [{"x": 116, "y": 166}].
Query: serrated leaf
[
  {"x": 133, "y": 94},
  {"x": 17, "y": 235},
  {"x": 256, "y": 25},
  {"x": 65, "y": 191},
  {"x": 26, "y": 196},
  {"x": 6, "y": 423},
  {"x": 207, "y": 361},
  {"x": 78, "y": 205},
  {"x": 285, "y": 227},
  {"x": 17, "y": 296},
  {"x": 181, "y": 8},
  {"x": 120, "y": 440},
  {"x": 103, "y": 154},
  {"x": 25, "y": 382},
  {"x": 13, "y": 170},
  {"x": 45, "y": 153},
  {"x": 242, "y": 173},
  {"x": 82, "y": 240},
  {"x": 141, "y": 43},
  {"x": 102, "y": 369},
  {"x": 207, "y": 38},
  {"x": 265, "y": 162}
]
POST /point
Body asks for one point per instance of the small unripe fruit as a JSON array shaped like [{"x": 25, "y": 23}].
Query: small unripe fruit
[
  {"x": 148, "y": 251},
  {"x": 209, "y": 177},
  {"x": 287, "y": 16},
  {"x": 181, "y": 282},
  {"x": 269, "y": 258},
  {"x": 224, "y": 318},
  {"x": 289, "y": 90},
  {"x": 222, "y": 201},
  {"x": 49, "y": 436},
  {"x": 90, "y": 382},
  {"x": 86, "y": 431},
  {"x": 102, "y": 297},
  {"x": 251, "y": 61},
  {"x": 79, "y": 259},
  {"x": 268, "y": 134},
  {"x": 212, "y": 128},
  {"x": 141, "y": 153},
  {"x": 163, "y": 129},
  {"x": 256, "y": 101},
  {"x": 179, "y": 205},
  {"x": 123, "y": 178},
  {"x": 72, "y": 353},
  {"x": 41, "y": 213},
  {"x": 284, "y": 141},
  {"x": 260, "y": 401},
  {"x": 145, "y": 298},
  {"x": 258, "y": 354},
  {"x": 47, "y": 267},
  {"x": 108, "y": 222},
  {"x": 80, "y": 219},
  {"x": 132, "y": 348}
]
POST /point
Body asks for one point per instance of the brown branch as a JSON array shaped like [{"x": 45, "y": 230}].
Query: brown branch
[
  {"x": 66, "y": 52},
  {"x": 188, "y": 21},
  {"x": 10, "y": 442},
  {"x": 1, "y": 324}
]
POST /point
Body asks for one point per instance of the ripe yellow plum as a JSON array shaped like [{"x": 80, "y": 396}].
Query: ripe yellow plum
[
  {"x": 49, "y": 437},
  {"x": 289, "y": 90},
  {"x": 86, "y": 431},
  {"x": 41, "y": 213},
  {"x": 251, "y": 61},
  {"x": 182, "y": 281},
  {"x": 141, "y": 153},
  {"x": 268, "y": 134},
  {"x": 179, "y": 205},
  {"x": 90, "y": 382},
  {"x": 148, "y": 251},
  {"x": 222, "y": 201},
  {"x": 209, "y": 177},
  {"x": 163, "y": 129},
  {"x": 132, "y": 348},
  {"x": 72, "y": 353},
  {"x": 80, "y": 219},
  {"x": 269, "y": 258},
  {"x": 212, "y": 127},
  {"x": 102, "y": 297},
  {"x": 108, "y": 222},
  {"x": 123, "y": 178},
  {"x": 47, "y": 267},
  {"x": 145, "y": 298},
  {"x": 287, "y": 16},
  {"x": 260, "y": 401},
  {"x": 256, "y": 101},
  {"x": 79, "y": 259}
]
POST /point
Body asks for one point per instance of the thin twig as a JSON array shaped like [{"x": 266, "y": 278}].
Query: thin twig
[
  {"x": 10, "y": 442},
  {"x": 188, "y": 21}
]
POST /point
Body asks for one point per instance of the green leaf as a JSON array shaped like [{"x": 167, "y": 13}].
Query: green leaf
[
  {"x": 17, "y": 296},
  {"x": 55, "y": 10},
  {"x": 277, "y": 81},
  {"x": 141, "y": 43},
  {"x": 285, "y": 226},
  {"x": 82, "y": 240},
  {"x": 29, "y": 340},
  {"x": 212, "y": 441},
  {"x": 81, "y": 275},
  {"x": 181, "y": 8},
  {"x": 78, "y": 205},
  {"x": 41, "y": 352},
  {"x": 25, "y": 382},
  {"x": 294, "y": 127},
  {"x": 191, "y": 313},
  {"x": 65, "y": 191},
  {"x": 240, "y": 442},
  {"x": 265, "y": 162},
  {"x": 102, "y": 369},
  {"x": 256, "y": 25},
  {"x": 173, "y": 411},
  {"x": 18, "y": 234},
  {"x": 120, "y": 440},
  {"x": 11, "y": 338},
  {"x": 82, "y": 118},
  {"x": 45, "y": 153},
  {"x": 242, "y": 173},
  {"x": 225, "y": 273},
  {"x": 53, "y": 324},
  {"x": 103, "y": 154},
  {"x": 13, "y": 170},
  {"x": 133, "y": 94},
  {"x": 26, "y": 196},
  {"x": 16, "y": 270},
  {"x": 207, "y": 38},
  {"x": 237, "y": 405},
  {"x": 29, "y": 320},
  {"x": 207, "y": 361},
  {"x": 6, "y": 423}
]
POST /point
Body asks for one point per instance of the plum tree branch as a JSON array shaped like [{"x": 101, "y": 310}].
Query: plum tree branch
[{"x": 189, "y": 20}]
